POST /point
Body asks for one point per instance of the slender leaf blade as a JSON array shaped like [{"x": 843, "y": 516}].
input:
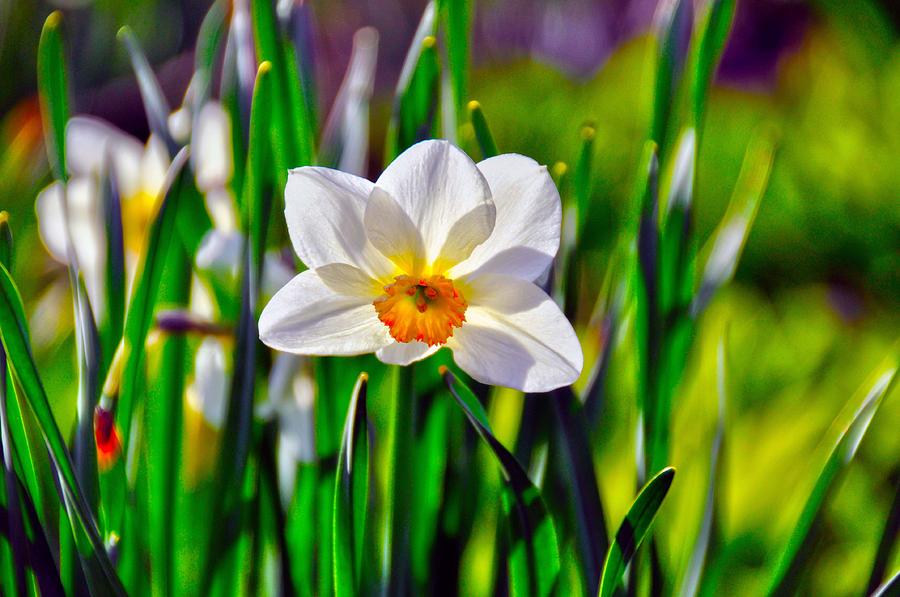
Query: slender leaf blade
[
  {"x": 634, "y": 530},
  {"x": 350, "y": 495},
  {"x": 54, "y": 93}
]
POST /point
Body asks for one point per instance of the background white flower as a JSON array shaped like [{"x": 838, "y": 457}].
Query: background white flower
[{"x": 439, "y": 251}]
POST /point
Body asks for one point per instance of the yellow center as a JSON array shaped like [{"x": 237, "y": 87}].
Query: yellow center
[{"x": 424, "y": 309}]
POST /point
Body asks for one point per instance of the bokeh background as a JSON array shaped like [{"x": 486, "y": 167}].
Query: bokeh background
[{"x": 815, "y": 305}]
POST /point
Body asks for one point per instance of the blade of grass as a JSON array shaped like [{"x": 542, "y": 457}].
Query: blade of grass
[
  {"x": 351, "y": 495},
  {"x": 634, "y": 529},
  {"x": 16, "y": 529},
  {"x": 54, "y": 93},
  {"x": 800, "y": 545},
  {"x": 114, "y": 323},
  {"x": 534, "y": 553},
  {"x": 155, "y": 104},
  {"x": 14, "y": 337},
  {"x": 672, "y": 23}
]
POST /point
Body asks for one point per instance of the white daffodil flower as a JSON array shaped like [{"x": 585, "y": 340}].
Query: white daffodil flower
[
  {"x": 74, "y": 211},
  {"x": 439, "y": 251}
]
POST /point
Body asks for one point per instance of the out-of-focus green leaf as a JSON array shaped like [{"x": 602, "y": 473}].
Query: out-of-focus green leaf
[
  {"x": 113, "y": 324},
  {"x": 634, "y": 529},
  {"x": 886, "y": 546},
  {"x": 890, "y": 587},
  {"x": 482, "y": 131},
  {"x": 155, "y": 104},
  {"x": 6, "y": 241},
  {"x": 458, "y": 18},
  {"x": 414, "y": 108},
  {"x": 712, "y": 32},
  {"x": 431, "y": 465},
  {"x": 163, "y": 420},
  {"x": 209, "y": 40},
  {"x": 723, "y": 250},
  {"x": 583, "y": 177},
  {"x": 690, "y": 584},
  {"x": 672, "y": 23},
  {"x": 54, "y": 93},
  {"x": 801, "y": 542},
  {"x": 146, "y": 289},
  {"x": 291, "y": 130},
  {"x": 576, "y": 452},
  {"x": 15, "y": 342},
  {"x": 533, "y": 553},
  {"x": 351, "y": 495}
]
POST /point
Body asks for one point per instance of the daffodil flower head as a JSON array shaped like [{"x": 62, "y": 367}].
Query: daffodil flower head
[{"x": 438, "y": 252}]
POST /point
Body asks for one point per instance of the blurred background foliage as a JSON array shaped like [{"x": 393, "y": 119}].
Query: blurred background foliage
[{"x": 816, "y": 300}]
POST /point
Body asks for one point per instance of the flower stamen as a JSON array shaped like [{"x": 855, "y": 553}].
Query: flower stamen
[{"x": 423, "y": 309}]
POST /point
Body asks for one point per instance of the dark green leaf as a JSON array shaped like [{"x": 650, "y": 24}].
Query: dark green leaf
[
  {"x": 634, "y": 529},
  {"x": 713, "y": 27},
  {"x": 15, "y": 342},
  {"x": 458, "y": 15},
  {"x": 351, "y": 495},
  {"x": 482, "y": 131},
  {"x": 533, "y": 554}
]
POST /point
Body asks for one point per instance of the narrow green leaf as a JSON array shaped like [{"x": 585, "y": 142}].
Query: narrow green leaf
[
  {"x": 714, "y": 25},
  {"x": 155, "y": 104},
  {"x": 583, "y": 178},
  {"x": 15, "y": 342},
  {"x": 458, "y": 18},
  {"x": 672, "y": 23},
  {"x": 634, "y": 529},
  {"x": 886, "y": 546},
  {"x": 350, "y": 495},
  {"x": 534, "y": 553},
  {"x": 146, "y": 289},
  {"x": 572, "y": 432},
  {"x": 414, "y": 108},
  {"x": 54, "y": 93},
  {"x": 690, "y": 584},
  {"x": 209, "y": 41},
  {"x": 801, "y": 542},
  {"x": 10, "y": 491},
  {"x": 482, "y": 130},
  {"x": 723, "y": 250}
]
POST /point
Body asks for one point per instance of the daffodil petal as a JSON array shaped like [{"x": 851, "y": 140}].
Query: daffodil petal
[
  {"x": 90, "y": 142},
  {"x": 154, "y": 164},
  {"x": 525, "y": 238},
  {"x": 405, "y": 353},
  {"x": 85, "y": 224},
  {"x": 308, "y": 317},
  {"x": 211, "y": 141},
  {"x": 516, "y": 336},
  {"x": 324, "y": 212},
  {"x": 349, "y": 280},
  {"x": 51, "y": 221},
  {"x": 437, "y": 184},
  {"x": 392, "y": 232}
]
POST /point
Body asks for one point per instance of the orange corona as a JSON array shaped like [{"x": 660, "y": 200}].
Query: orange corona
[{"x": 424, "y": 309}]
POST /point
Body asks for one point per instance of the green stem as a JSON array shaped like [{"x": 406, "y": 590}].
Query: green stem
[{"x": 401, "y": 438}]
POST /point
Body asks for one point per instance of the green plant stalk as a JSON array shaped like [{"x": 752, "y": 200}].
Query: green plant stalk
[
  {"x": 163, "y": 413},
  {"x": 401, "y": 446}
]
